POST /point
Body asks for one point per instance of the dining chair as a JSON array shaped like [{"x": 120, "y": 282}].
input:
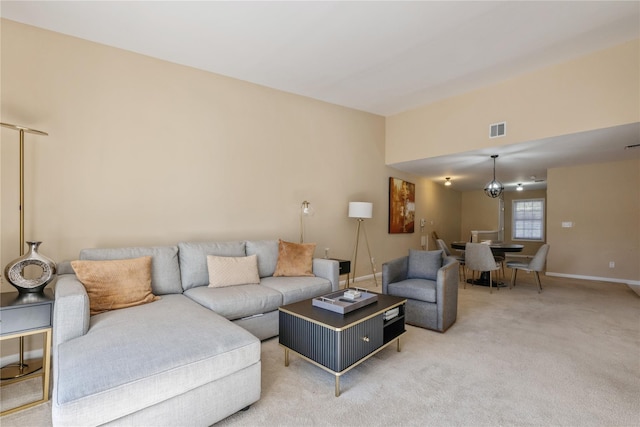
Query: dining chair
[
  {"x": 536, "y": 264},
  {"x": 445, "y": 248},
  {"x": 478, "y": 257}
]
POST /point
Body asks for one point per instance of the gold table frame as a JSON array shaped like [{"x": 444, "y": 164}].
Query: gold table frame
[{"x": 44, "y": 372}]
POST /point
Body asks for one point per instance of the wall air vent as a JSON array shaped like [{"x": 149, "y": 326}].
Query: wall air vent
[{"x": 497, "y": 130}]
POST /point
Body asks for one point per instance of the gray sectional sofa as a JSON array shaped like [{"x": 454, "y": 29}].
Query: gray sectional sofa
[{"x": 191, "y": 357}]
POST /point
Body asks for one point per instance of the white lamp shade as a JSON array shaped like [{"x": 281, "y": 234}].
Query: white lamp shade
[{"x": 360, "y": 210}]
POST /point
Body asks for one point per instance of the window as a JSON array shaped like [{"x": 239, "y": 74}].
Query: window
[{"x": 528, "y": 219}]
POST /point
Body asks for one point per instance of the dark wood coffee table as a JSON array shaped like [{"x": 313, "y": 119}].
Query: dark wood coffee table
[{"x": 338, "y": 342}]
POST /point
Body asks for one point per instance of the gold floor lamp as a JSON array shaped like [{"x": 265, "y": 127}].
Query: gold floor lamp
[
  {"x": 361, "y": 211},
  {"x": 23, "y": 367}
]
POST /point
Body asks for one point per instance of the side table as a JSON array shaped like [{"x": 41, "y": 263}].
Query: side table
[
  {"x": 23, "y": 315},
  {"x": 344, "y": 268}
]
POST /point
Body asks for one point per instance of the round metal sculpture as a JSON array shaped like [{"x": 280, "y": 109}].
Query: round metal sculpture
[{"x": 14, "y": 271}]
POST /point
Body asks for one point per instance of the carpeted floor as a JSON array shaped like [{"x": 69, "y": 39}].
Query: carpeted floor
[{"x": 567, "y": 357}]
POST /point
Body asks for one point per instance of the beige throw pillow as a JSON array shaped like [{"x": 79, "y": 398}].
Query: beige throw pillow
[
  {"x": 295, "y": 259},
  {"x": 114, "y": 284},
  {"x": 230, "y": 271}
]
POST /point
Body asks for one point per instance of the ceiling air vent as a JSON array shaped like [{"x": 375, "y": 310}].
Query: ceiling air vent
[{"x": 497, "y": 129}]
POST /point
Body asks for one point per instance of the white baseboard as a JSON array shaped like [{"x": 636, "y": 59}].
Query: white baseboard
[{"x": 598, "y": 279}]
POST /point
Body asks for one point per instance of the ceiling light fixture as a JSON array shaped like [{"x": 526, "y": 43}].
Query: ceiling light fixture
[
  {"x": 519, "y": 187},
  {"x": 448, "y": 181},
  {"x": 494, "y": 188}
]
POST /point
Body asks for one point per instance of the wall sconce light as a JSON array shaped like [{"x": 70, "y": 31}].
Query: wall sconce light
[
  {"x": 305, "y": 210},
  {"x": 494, "y": 188},
  {"x": 447, "y": 182}
]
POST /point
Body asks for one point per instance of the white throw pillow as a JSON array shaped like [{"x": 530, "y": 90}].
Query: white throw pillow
[{"x": 230, "y": 271}]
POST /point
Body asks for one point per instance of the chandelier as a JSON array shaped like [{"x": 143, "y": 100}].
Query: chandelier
[{"x": 494, "y": 188}]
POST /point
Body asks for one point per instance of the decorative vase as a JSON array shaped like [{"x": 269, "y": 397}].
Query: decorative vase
[{"x": 14, "y": 271}]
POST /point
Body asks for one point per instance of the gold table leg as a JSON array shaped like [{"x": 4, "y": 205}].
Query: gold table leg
[
  {"x": 398, "y": 348},
  {"x": 286, "y": 357},
  {"x": 337, "y": 385}
]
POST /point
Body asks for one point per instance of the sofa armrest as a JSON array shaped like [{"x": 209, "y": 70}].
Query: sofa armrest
[
  {"x": 447, "y": 292},
  {"x": 394, "y": 271},
  {"x": 328, "y": 269},
  {"x": 70, "y": 311}
]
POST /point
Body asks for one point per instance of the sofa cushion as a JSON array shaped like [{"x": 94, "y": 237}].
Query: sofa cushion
[
  {"x": 165, "y": 269},
  {"x": 140, "y": 356},
  {"x": 424, "y": 264},
  {"x": 193, "y": 260},
  {"x": 267, "y": 252},
  {"x": 235, "y": 302},
  {"x": 417, "y": 289},
  {"x": 295, "y": 289},
  {"x": 232, "y": 270},
  {"x": 115, "y": 284},
  {"x": 295, "y": 259}
]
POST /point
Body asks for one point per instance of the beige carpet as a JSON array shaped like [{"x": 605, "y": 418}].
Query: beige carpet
[{"x": 567, "y": 357}]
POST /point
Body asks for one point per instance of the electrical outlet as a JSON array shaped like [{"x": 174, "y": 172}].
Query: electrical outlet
[
  {"x": 326, "y": 253},
  {"x": 612, "y": 264}
]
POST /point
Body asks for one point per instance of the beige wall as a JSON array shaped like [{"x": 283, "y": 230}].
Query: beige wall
[
  {"x": 603, "y": 202},
  {"x": 442, "y": 207},
  {"x": 479, "y": 212},
  {"x": 146, "y": 152},
  {"x": 591, "y": 92}
]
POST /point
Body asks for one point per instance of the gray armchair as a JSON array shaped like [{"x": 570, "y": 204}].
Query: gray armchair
[{"x": 429, "y": 282}]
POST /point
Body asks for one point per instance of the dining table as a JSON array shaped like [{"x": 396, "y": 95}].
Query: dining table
[{"x": 497, "y": 249}]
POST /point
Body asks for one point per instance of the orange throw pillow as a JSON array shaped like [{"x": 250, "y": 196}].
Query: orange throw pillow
[
  {"x": 295, "y": 259},
  {"x": 114, "y": 284}
]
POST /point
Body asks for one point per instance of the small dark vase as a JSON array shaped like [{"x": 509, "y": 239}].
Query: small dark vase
[{"x": 14, "y": 270}]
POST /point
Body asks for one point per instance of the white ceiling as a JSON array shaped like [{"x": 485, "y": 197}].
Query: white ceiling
[{"x": 376, "y": 56}]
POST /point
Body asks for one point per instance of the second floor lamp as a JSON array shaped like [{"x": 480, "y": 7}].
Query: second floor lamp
[{"x": 362, "y": 211}]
